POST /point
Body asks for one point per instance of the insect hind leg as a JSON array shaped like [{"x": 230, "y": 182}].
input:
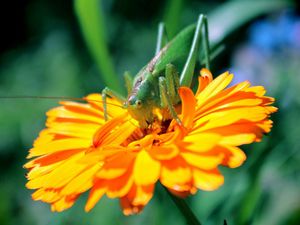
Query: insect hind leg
[
  {"x": 162, "y": 37},
  {"x": 187, "y": 73}
]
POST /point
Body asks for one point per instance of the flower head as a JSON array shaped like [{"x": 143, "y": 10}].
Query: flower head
[{"x": 80, "y": 151}]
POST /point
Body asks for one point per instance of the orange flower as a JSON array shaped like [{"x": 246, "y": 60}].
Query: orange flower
[{"x": 79, "y": 151}]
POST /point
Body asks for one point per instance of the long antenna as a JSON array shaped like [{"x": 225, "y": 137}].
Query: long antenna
[{"x": 57, "y": 97}]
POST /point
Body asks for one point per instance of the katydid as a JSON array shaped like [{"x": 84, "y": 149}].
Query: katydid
[{"x": 156, "y": 84}]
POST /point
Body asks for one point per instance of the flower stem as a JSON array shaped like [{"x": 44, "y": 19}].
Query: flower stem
[{"x": 186, "y": 211}]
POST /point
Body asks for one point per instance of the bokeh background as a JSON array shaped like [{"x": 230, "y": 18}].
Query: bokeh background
[{"x": 43, "y": 53}]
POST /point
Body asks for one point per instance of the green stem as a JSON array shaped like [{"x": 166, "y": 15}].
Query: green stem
[{"x": 186, "y": 211}]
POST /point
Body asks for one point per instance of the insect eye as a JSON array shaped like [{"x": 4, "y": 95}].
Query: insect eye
[{"x": 138, "y": 103}]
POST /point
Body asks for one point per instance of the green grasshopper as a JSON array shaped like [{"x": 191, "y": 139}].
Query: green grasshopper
[{"x": 156, "y": 84}]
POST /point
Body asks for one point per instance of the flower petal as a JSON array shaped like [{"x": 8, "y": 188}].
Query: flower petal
[
  {"x": 146, "y": 169},
  {"x": 116, "y": 166},
  {"x": 201, "y": 161},
  {"x": 59, "y": 145},
  {"x": 164, "y": 152},
  {"x": 175, "y": 172},
  {"x": 82, "y": 182},
  {"x": 188, "y": 106},
  {"x": 95, "y": 195},
  {"x": 201, "y": 142},
  {"x": 207, "y": 180}
]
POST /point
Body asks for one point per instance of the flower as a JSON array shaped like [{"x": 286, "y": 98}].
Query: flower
[{"x": 80, "y": 151}]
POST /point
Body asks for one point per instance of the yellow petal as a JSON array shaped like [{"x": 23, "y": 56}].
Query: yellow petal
[
  {"x": 44, "y": 195},
  {"x": 116, "y": 166},
  {"x": 229, "y": 116},
  {"x": 201, "y": 142},
  {"x": 214, "y": 88},
  {"x": 164, "y": 152},
  {"x": 146, "y": 169},
  {"x": 59, "y": 177},
  {"x": 140, "y": 195},
  {"x": 63, "y": 112},
  {"x": 234, "y": 156},
  {"x": 120, "y": 186},
  {"x": 95, "y": 195},
  {"x": 64, "y": 203},
  {"x": 175, "y": 172},
  {"x": 60, "y": 145},
  {"x": 222, "y": 96},
  {"x": 202, "y": 162},
  {"x": 207, "y": 180},
  {"x": 85, "y": 131},
  {"x": 238, "y": 139},
  {"x": 81, "y": 182}
]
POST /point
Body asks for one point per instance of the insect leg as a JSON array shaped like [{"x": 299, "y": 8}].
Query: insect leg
[
  {"x": 187, "y": 73},
  {"x": 172, "y": 82},
  {"x": 166, "y": 99},
  {"x": 206, "y": 43},
  {"x": 161, "y": 37},
  {"x": 128, "y": 81},
  {"x": 108, "y": 92}
]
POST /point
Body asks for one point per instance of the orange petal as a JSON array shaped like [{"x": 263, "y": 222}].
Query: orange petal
[
  {"x": 164, "y": 152},
  {"x": 104, "y": 131},
  {"x": 128, "y": 208},
  {"x": 188, "y": 106},
  {"x": 140, "y": 195},
  {"x": 203, "y": 80},
  {"x": 175, "y": 172},
  {"x": 53, "y": 158},
  {"x": 116, "y": 165},
  {"x": 120, "y": 186}
]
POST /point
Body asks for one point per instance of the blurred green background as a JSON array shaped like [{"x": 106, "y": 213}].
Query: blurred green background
[{"x": 43, "y": 53}]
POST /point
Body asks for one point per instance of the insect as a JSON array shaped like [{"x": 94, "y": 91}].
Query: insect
[{"x": 156, "y": 84}]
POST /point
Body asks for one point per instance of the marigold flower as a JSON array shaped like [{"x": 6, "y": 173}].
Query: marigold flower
[{"x": 79, "y": 151}]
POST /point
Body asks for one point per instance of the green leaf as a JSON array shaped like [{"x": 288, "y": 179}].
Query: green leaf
[
  {"x": 90, "y": 17},
  {"x": 172, "y": 16},
  {"x": 250, "y": 202}
]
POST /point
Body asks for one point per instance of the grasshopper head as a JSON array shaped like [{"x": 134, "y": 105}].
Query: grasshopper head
[{"x": 140, "y": 110}]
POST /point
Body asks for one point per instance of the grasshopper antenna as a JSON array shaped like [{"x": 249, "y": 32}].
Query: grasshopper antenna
[
  {"x": 64, "y": 98},
  {"x": 58, "y": 98}
]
